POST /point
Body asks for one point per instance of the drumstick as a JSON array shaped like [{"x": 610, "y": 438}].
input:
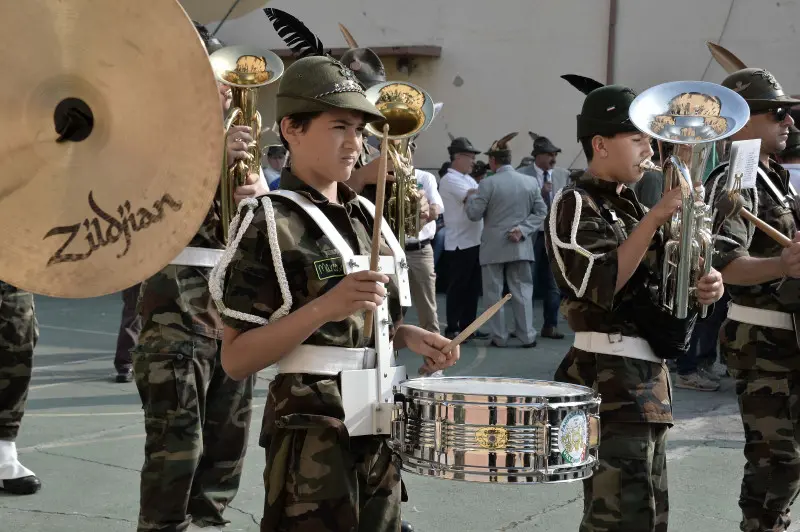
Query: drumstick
[
  {"x": 733, "y": 204},
  {"x": 474, "y": 326},
  {"x": 376, "y": 228}
]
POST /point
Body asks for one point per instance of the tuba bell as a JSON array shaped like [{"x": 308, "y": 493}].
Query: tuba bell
[
  {"x": 408, "y": 110},
  {"x": 692, "y": 115},
  {"x": 245, "y": 70}
]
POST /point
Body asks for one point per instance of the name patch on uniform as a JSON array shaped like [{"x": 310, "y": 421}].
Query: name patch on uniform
[{"x": 329, "y": 268}]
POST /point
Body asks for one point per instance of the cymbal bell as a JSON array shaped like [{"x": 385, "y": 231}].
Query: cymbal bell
[
  {"x": 111, "y": 145},
  {"x": 207, "y": 11}
]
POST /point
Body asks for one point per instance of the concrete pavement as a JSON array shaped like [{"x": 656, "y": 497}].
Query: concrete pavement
[{"x": 83, "y": 435}]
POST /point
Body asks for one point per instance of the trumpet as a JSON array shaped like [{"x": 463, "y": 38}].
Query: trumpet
[
  {"x": 245, "y": 70},
  {"x": 693, "y": 115},
  {"x": 408, "y": 110}
]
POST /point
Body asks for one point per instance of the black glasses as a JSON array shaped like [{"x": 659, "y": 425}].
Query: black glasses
[{"x": 778, "y": 113}]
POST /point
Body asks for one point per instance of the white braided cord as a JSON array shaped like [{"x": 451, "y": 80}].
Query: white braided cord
[
  {"x": 216, "y": 279},
  {"x": 572, "y": 244}
]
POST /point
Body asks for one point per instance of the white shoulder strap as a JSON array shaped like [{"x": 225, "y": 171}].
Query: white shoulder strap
[
  {"x": 322, "y": 221},
  {"x": 401, "y": 266}
]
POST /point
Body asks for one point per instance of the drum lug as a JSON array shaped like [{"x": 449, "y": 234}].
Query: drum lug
[{"x": 552, "y": 440}]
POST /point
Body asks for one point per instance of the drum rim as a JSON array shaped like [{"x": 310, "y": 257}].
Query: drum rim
[{"x": 407, "y": 388}]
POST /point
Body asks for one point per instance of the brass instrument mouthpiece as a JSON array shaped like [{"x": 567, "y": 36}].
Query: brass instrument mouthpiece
[{"x": 647, "y": 164}]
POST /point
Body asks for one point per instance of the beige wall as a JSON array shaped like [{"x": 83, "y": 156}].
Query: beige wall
[{"x": 510, "y": 54}]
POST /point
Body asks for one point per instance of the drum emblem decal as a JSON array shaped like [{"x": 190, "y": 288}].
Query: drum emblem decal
[
  {"x": 492, "y": 437},
  {"x": 573, "y": 437}
]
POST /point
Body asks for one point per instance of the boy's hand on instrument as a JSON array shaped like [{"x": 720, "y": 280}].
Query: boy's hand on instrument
[
  {"x": 669, "y": 204},
  {"x": 358, "y": 291},
  {"x": 430, "y": 346},
  {"x": 237, "y": 143},
  {"x": 253, "y": 187},
  {"x": 710, "y": 288}
]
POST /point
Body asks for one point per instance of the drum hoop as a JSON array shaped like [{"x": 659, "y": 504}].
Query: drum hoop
[{"x": 588, "y": 397}]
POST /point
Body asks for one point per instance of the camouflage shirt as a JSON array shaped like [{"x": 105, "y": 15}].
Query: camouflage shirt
[
  {"x": 313, "y": 266},
  {"x": 632, "y": 390},
  {"x": 735, "y": 238},
  {"x": 178, "y": 296}
]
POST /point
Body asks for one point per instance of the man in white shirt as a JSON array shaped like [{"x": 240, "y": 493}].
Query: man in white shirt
[
  {"x": 419, "y": 254},
  {"x": 551, "y": 180},
  {"x": 462, "y": 239},
  {"x": 276, "y": 160}
]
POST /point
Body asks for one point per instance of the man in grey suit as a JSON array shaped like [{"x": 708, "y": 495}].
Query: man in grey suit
[
  {"x": 550, "y": 179},
  {"x": 513, "y": 210}
]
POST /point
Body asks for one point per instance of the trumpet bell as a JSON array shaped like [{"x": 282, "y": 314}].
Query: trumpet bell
[
  {"x": 246, "y": 67},
  {"x": 689, "y": 112},
  {"x": 407, "y": 108}
]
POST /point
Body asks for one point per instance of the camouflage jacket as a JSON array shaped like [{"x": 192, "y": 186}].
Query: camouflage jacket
[
  {"x": 735, "y": 238},
  {"x": 178, "y": 296},
  {"x": 313, "y": 267},
  {"x": 632, "y": 390}
]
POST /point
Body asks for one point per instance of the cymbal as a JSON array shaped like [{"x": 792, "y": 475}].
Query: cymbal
[
  {"x": 125, "y": 185},
  {"x": 207, "y": 11}
]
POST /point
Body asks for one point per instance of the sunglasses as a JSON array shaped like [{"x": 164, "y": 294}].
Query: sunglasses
[{"x": 778, "y": 113}]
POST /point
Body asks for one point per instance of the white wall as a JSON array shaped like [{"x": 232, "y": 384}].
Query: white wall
[{"x": 510, "y": 54}]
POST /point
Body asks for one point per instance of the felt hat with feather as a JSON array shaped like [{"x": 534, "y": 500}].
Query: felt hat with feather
[
  {"x": 211, "y": 43},
  {"x": 363, "y": 61},
  {"x": 605, "y": 109},
  {"x": 758, "y": 87},
  {"x": 542, "y": 145},
  {"x": 500, "y": 148},
  {"x": 316, "y": 82},
  {"x": 461, "y": 145}
]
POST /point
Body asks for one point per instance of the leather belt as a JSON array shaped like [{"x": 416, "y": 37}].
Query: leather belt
[
  {"x": 615, "y": 344},
  {"x": 761, "y": 317},
  {"x": 326, "y": 360},
  {"x": 416, "y": 246},
  {"x": 202, "y": 257}
]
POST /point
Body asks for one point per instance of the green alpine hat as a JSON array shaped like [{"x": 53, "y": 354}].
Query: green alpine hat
[
  {"x": 605, "y": 112},
  {"x": 759, "y": 88},
  {"x": 321, "y": 83}
]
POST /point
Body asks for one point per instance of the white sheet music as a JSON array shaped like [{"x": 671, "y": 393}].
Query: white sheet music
[{"x": 743, "y": 167}]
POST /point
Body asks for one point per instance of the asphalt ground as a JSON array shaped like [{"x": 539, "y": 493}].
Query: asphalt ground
[{"x": 83, "y": 435}]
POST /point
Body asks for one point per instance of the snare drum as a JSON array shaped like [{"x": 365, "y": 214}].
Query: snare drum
[{"x": 496, "y": 429}]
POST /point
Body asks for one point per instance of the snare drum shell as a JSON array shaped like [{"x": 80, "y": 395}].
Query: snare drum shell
[{"x": 496, "y": 429}]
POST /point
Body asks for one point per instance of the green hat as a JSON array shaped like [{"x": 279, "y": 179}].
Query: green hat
[
  {"x": 759, "y": 88},
  {"x": 461, "y": 145},
  {"x": 605, "y": 112},
  {"x": 321, "y": 83}
]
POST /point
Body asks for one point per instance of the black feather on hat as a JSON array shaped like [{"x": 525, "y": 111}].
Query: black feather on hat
[
  {"x": 582, "y": 83},
  {"x": 302, "y": 41}
]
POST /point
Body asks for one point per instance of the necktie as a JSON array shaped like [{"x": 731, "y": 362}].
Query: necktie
[{"x": 548, "y": 197}]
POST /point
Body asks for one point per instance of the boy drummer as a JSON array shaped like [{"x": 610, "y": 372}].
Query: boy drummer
[
  {"x": 598, "y": 241},
  {"x": 284, "y": 289}
]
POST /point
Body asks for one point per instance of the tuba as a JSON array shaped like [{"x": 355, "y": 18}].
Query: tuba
[
  {"x": 245, "y": 70},
  {"x": 692, "y": 115},
  {"x": 408, "y": 110}
]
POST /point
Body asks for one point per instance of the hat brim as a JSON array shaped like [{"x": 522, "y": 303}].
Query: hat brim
[
  {"x": 497, "y": 153},
  {"x": 453, "y": 151},
  {"x": 351, "y": 101},
  {"x": 781, "y": 101}
]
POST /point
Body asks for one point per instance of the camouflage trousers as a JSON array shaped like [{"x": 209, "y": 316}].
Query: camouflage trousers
[
  {"x": 197, "y": 422},
  {"x": 770, "y": 407},
  {"x": 319, "y": 479},
  {"x": 19, "y": 332},
  {"x": 628, "y": 491}
]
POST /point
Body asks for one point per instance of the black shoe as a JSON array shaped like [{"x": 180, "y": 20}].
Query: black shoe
[
  {"x": 495, "y": 344},
  {"x": 405, "y": 526},
  {"x": 124, "y": 375},
  {"x": 21, "y": 486},
  {"x": 551, "y": 332},
  {"x": 477, "y": 335},
  {"x": 528, "y": 346},
  {"x": 450, "y": 335}
]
